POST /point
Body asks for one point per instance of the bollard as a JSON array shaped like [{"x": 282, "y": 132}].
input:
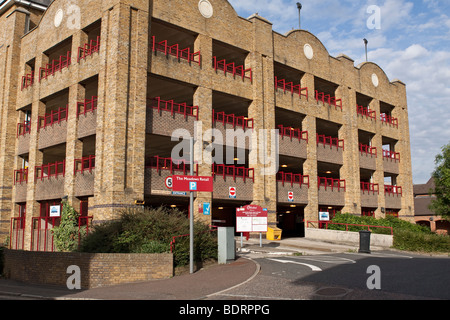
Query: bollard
[{"x": 364, "y": 241}]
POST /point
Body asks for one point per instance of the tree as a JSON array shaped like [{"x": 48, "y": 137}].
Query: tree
[
  {"x": 441, "y": 175},
  {"x": 66, "y": 235}
]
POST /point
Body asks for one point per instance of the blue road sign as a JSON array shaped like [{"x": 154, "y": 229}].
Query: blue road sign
[{"x": 206, "y": 208}]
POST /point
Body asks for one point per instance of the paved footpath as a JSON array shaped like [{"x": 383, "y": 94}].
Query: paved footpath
[{"x": 204, "y": 284}]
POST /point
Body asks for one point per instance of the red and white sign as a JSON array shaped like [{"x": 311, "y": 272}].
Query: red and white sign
[
  {"x": 192, "y": 183},
  {"x": 169, "y": 182},
  {"x": 232, "y": 192},
  {"x": 251, "y": 219},
  {"x": 291, "y": 196}
]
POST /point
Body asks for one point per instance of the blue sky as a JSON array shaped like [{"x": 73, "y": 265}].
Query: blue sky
[{"x": 412, "y": 44}]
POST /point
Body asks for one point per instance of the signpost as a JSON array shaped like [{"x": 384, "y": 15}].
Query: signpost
[
  {"x": 191, "y": 184},
  {"x": 251, "y": 218}
]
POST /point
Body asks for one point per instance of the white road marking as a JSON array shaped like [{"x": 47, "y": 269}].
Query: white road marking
[
  {"x": 329, "y": 259},
  {"x": 313, "y": 268},
  {"x": 380, "y": 255}
]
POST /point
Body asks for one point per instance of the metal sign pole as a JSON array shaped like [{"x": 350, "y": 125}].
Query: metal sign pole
[{"x": 191, "y": 216}]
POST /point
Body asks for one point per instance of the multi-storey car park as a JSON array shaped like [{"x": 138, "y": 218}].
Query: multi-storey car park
[{"x": 92, "y": 90}]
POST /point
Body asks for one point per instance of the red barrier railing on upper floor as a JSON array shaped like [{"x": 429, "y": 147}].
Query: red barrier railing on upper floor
[
  {"x": 370, "y": 187},
  {"x": 169, "y": 164},
  {"x": 23, "y": 128},
  {"x": 367, "y": 112},
  {"x": 292, "y": 178},
  {"x": 331, "y": 183},
  {"x": 327, "y": 98},
  {"x": 172, "y": 107},
  {"x": 393, "y": 190},
  {"x": 368, "y": 150},
  {"x": 88, "y": 49},
  {"x": 389, "y": 120},
  {"x": 88, "y": 105},
  {"x": 53, "y": 117},
  {"x": 232, "y": 119},
  {"x": 54, "y": 66},
  {"x": 293, "y": 133},
  {"x": 175, "y": 51},
  {"x": 84, "y": 164},
  {"x": 20, "y": 176},
  {"x": 332, "y": 142},
  {"x": 290, "y": 87},
  {"x": 240, "y": 71},
  {"x": 233, "y": 171},
  {"x": 50, "y": 170},
  {"x": 27, "y": 81},
  {"x": 391, "y": 155}
]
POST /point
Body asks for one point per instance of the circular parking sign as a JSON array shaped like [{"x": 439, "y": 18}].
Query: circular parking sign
[{"x": 169, "y": 182}]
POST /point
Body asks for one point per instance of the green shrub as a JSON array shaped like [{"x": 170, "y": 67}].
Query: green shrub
[
  {"x": 407, "y": 236},
  {"x": 151, "y": 231}
]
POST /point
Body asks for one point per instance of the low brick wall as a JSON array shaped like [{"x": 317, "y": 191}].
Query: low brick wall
[
  {"x": 97, "y": 270},
  {"x": 336, "y": 236}
]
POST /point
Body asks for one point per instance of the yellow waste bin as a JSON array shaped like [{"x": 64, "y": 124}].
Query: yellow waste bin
[{"x": 274, "y": 234}]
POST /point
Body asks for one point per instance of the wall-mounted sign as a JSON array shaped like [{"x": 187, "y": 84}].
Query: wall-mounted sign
[
  {"x": 324, "y": 216},
  {"x": 55, "y": 211}
]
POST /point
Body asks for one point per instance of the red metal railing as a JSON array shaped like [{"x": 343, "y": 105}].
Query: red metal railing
[
  {"x": 27, "y": 81},
  {"x": 389, "y": 120},
  {"x": 53, "y": 117},
  {"x": 54, "y": 66},
  {"x": 20, "y": 176},
  {"x": 292, "y": 178},
  {"x": 172, "y": 107},
  {"x": 293, "y": 133},
  {"x": 391, "y": 155},
  {"x": 393, "y": 190},
  {"x": 290, "y": 87},
  {"x": 23, "y": 128},
  {"x": 169, "y": 164},
  {"x": 50, "y": 170},
  {"x": 327, "y": 98},
  {"x": 88, "y": 49},
  {"x": 368, "y": 150},
  {"x": 88, "y": 105},
  {"x": 41, "y": 235},
  {"x": 175, "y": 51},
  {"x": 174, "y": 239},
  {"x": 84, "y": 164},
  {"x": 367, "y": 112},
  {"x": 331, "y": 183},
  {"x": 233, "y": 171},
  {"x": 17, "y": 233},
  {"x": 85, "y": 222},
  {"x": 370, "y": 187},
  {"x": 232, "y": 119},
  {"x": 332, "y": 142},
  {"x": 232, "y": 68},
  {"x": 326, "y": 223}
]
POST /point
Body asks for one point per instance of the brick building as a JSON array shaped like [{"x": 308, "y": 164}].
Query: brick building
[{"x": 92, "y": 91}]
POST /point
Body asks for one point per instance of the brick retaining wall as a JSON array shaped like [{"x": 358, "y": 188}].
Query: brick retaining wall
[{"x": 97, "y": 270}]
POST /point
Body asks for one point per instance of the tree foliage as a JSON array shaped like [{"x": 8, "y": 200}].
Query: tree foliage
[
  {"x": 441, "y": 175},
  {"x": 66, "y": 235}
]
